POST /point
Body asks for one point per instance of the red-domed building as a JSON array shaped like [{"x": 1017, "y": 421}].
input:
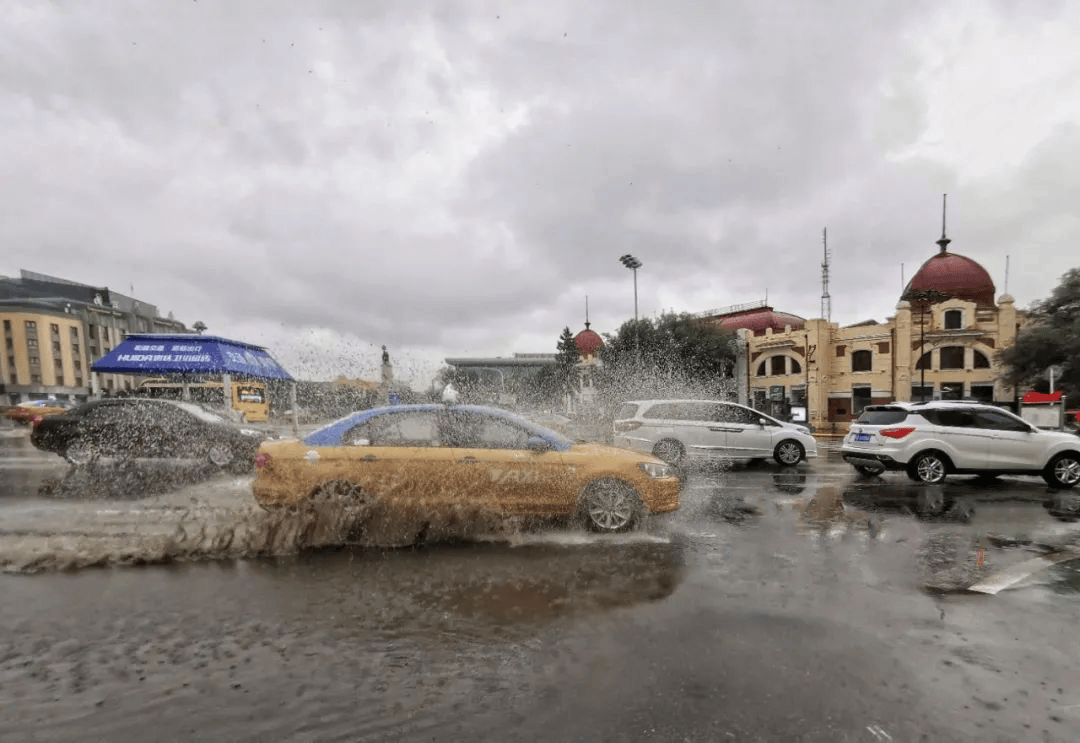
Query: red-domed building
[{"x": 941, "y": 344}]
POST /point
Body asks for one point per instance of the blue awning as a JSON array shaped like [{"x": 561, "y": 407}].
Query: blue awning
[{"x": 161, "y": 353}]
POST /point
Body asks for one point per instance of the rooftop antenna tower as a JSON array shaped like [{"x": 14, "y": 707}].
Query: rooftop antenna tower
[
  {"x": 826, "y": 300},
  {"x": 1006, "y": 274},
  {"x": 586, "y": 311}
]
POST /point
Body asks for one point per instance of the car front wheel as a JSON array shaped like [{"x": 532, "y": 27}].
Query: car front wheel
[
  {"x": 1063, "y": 471},
  {"x": 220, "y": 455},
  {"x": 929, "y": 467},
  {"x": 610, "y": 506},
  {"x": 789, "y": 452}
]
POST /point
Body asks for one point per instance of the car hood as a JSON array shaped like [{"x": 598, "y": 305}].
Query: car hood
[{"x": 611, "y": 452}]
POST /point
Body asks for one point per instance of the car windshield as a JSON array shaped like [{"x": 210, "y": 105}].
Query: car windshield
[
  {"x": 438, "y": 370},
  {"x": 199, "y": 412}
]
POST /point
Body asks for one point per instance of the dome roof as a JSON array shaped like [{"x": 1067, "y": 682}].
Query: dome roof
[
  {"x": 587, "y": 341},
  {"x": 759, "y": 320},
  {"x": 955, "y": 275}
]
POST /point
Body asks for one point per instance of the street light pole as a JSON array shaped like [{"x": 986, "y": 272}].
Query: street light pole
[
  {"x": 924, "y": 297},
  {"x": 634, "y": 264}
]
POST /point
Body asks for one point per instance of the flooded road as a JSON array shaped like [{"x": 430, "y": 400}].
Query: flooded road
[{"x": 777, "y": 604}]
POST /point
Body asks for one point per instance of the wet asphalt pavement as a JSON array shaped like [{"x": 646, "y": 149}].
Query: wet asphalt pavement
[{"x": 794, "y": 604}]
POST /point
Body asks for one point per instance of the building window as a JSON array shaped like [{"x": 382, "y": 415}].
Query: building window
[
  {"x": 78, "y": 382},
  {"x": 778, "y": 365},
  {"x": 952, "y": 390},
  {"x": 795, "y": 367},
  {"x": 840, "y": 350},
  {"x": 9, "y": 343},
  {"x": 7, "y": 326},
  {"x": 763, "y": 369},
  {"x": 35, "y": 361},
  {"x": 924, "y": 361},
  {"x": 35, "y": 379},
  {"x": 54, "y": 328},
  {"x": 60, "y": 381},
  {"x": 860, "y": 398},
  {"x": 921, "y": 393},
  {"x": 31, "y": 325},
  {"x": 75, "y": 335},
  {"x": 76, "y": 349},
  {"x": 980, "y": 360},
  {"x": 31, "y": 343},
  {"x": 883, "y": 347},
  {"x": 861, "y": 361},
  {"x": 56, "y": 345},
  {"x": 59, "y": 366},
  {"x": 93, "y": 332},
  {"x": 952, "y": 357},
  {"x": 78, "y": 365},
  {"x": 954, "y": 319},
  {"x": 982, "y": 392}
]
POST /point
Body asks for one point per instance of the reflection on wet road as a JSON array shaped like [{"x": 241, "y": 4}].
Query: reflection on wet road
[{"x": 777, "y": 604}]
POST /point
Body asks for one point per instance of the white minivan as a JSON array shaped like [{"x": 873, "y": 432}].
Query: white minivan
[{"x": 686, "y": 430}]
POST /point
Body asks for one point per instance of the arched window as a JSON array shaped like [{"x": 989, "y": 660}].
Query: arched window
[
  {"x": 924, "y": 361},
  {"x": 954, "y": 319},
  {"x": 778, "y": 365},
  {"x": 762, "y": 370},
  {"x": 795, "y": 367},
  {"x": 980, "y": 360},
  {"x": 952, "y": 357},
  {"x": 861, "y": 361}
]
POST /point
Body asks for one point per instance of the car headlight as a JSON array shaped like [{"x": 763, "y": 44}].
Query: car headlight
[{"x": 656, "y": 469}]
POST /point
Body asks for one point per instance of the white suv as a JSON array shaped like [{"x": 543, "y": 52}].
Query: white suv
[
  {"x": 681, "y": 430},
  {"x": 933, "y": 439}
]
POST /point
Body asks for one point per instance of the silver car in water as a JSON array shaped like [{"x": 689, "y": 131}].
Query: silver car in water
[{"x": 679, "y": 431}]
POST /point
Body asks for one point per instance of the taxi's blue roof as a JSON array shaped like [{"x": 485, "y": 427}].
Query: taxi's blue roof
[{"x": 330, "y": 435}]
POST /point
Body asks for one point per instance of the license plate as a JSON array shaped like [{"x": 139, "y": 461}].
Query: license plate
[{"x": 862, "y": 437}]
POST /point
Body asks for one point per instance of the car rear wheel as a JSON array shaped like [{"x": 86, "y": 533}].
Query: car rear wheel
[
  {"x": 81, "y": 453},
  {"x": 355, "y": 505},
  {"x": 789, "y": 452},
  {"x": 220, "y": 455},
  {"x": 1063, "y": 471},
  {"x": 610, "y": 506},
  {"x": 669, "y": 451},
  {"x": 928, "y": 467}
]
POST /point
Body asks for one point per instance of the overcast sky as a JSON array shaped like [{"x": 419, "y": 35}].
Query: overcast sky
[{"x": 454, "y": 178}]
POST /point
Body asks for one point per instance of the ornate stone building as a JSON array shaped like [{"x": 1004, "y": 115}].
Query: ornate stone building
[{"x": 941, "y": 344}]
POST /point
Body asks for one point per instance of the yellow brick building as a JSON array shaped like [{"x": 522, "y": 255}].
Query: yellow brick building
[{"x": 942, "y": 343}]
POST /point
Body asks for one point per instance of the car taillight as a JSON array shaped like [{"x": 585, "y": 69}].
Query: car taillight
[
  {"x": 623, "y": 426},
  {"x": 261, "y": 460},
  {"x": 896, "y": 433}
]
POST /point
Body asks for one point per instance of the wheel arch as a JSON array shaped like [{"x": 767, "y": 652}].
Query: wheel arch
[{"x": 949, "y": 466}]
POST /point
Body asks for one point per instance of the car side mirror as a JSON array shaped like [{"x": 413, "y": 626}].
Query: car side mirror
[{"x": 762, "y": 422}]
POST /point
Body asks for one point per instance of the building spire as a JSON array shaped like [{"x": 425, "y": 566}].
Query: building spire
[
  {"x": 586, "y": 311},
  {"x": 944, "y": 241}
]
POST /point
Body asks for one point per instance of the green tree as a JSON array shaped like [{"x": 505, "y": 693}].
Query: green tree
[
  {"x": 1051, "y": 337},
  {"x": 675, "y": 355},
  {"x": 566, "y": 360}
]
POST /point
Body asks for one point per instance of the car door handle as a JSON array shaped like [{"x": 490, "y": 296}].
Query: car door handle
[
  {"x": 468, "y": 460},
  {"x": 369, "y": 458},
  {"x": 721, "y": 428}
]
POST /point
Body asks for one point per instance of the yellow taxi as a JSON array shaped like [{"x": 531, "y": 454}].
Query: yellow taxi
[
  {"x": 25, "y": 412},
  {"x": 457, "y": 460}
]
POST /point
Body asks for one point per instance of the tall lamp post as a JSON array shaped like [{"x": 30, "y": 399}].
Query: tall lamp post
[
  {"x": 634, "y": 264},
  {"x": 925, "y": 298}
]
